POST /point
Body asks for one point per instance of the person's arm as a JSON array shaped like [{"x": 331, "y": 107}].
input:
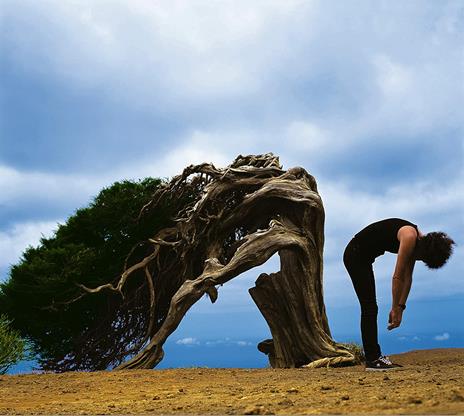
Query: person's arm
[
  {"x": 402, "y": 275},
  {"x": 407, "y": 283}
]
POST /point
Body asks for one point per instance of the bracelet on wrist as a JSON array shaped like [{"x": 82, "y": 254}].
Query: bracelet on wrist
[{"x": 402, "y": 306}]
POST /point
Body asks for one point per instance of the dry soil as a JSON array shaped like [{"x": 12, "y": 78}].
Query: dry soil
[{"x": 431, "y": 382}]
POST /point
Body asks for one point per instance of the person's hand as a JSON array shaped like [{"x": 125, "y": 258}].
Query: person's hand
[{"x": 394, "y": 318}]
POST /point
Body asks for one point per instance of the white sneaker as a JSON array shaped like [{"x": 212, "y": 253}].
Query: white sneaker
[{"x": 382, "y": 363}]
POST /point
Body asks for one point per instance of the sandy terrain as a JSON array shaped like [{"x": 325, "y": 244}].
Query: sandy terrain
[{"x": 432, "y": 382}]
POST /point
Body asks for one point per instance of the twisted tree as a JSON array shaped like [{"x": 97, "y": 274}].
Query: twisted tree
[{"x": 232, "y": 220}]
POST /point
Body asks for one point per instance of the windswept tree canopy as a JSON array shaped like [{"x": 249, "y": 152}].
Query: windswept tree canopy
[
  {"x": 118, "y": 278},
  {"x": 68, "y": 329}
]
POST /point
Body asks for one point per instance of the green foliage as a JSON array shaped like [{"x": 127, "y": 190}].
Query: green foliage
[
  {"x": 89, "y": 249},
  {"x": 12, "y": 346}
]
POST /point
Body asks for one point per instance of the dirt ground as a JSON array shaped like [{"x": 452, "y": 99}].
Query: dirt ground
[{"x": 432, "y": 382}]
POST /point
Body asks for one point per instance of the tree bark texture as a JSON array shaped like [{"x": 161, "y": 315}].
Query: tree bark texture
[{"x": 245, "y": 213}]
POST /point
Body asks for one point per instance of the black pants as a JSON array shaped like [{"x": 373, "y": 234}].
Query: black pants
[{"x": 360, "y": 270}]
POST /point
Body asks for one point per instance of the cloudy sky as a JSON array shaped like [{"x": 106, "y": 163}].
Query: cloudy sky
[{"x": 366, "y": 96}]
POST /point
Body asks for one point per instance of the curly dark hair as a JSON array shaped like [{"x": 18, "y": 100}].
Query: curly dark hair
[{"x": 436, "y": 248}]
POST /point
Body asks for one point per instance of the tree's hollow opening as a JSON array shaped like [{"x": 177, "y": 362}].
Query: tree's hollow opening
[{"x": 223, "y": 334}]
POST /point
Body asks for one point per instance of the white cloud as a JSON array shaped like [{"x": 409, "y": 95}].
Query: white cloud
[
  {"x": 28, "y": 187},
  {"x": 24, "y": 185},
  {"x": 198, "y": 147},
  {"x": 228, "y": 341},
  {"x": 263, "y": 51},
  {"x": 416, "y": 96},
  {"x": 442, "y": 337},
  {"x": 306, "y": 136},
  {"x": 404, "y": 338},
  {"x": 190, "y": 49},
  {"x": 16, "y": 239},
  {"x": 188, "y": 341},
  {"x": 349, "y": 209},
  {"x": 394, "y": 79},
  {"x": 217, "y": 342}
]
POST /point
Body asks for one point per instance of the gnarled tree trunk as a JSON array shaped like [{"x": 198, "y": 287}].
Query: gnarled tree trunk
[
  {"x": 245, "y": 213},
  {"x": 295, "y": 312}
]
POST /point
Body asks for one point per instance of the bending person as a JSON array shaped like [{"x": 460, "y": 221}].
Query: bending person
[{"x": 399, "y": 236}]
